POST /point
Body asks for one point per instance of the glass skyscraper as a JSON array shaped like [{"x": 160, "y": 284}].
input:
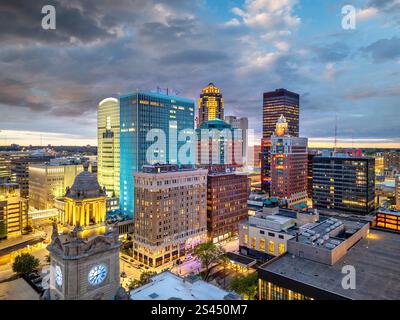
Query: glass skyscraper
[
  {"x": 108, "y": 154},
  {"x": 141, "y": 112}
]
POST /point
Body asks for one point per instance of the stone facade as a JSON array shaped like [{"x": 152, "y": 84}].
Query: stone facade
[{"x": 72, "y": 259}]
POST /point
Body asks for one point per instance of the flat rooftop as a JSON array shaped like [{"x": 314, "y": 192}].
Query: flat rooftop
[
  {"x": 168, "y": 286},
  {"x": 376, "y": 261},
  {"x": 17, "y": 290}
]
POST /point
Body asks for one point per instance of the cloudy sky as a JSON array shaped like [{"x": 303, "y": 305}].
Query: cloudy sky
[{"x": 52, "y": 80}]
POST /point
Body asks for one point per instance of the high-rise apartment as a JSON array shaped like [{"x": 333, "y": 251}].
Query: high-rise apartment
[
  {"x": 108, "y": 156},
  {"x": 140, "y": 113},
  {"x": 344, "y": 184},
  {"x": 288, "y": 166},
  {"x": 277, "y": 103},
  {"x": 170, "y": 212},
  {"x": 210, "y": 104}
]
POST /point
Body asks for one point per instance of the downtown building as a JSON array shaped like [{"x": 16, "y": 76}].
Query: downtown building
[
  {"x": 13, "y": 211},
  {"x": 344, "y": 184},
  {"x": 140, "y": 112},
  {"x": 323, "y": 258},
  {"x": 242, "y": 125},
  {"x": 288, "y": 167},
  {"x": 108, "y": 155},
  {"x": 47, "y": 182},
  {"x": 277, "y": 103},
  {"x": 210, "y": 104},
  {"x": 227, "y": 195},
  {"x": 218, "y": 144},
  {"x": 170, "y": 213}
]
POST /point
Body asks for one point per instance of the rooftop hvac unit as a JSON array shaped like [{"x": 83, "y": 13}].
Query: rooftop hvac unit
[{"x": 330, "y": 245}]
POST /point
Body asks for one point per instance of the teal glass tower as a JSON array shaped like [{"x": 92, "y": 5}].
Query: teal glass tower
[{"x": 141, "y": 112}]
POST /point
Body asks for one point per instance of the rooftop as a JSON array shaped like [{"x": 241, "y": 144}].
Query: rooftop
[
  {"x": 168, "y": 286},
  {"x": 376, "y": 260}
]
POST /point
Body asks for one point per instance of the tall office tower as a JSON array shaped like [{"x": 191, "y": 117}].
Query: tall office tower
[
  {"x": 227, "y": 194},
  {"x": 140, "y": 112},
  {"x": 277, "y": 103},
  {"x": 288, "y": 166},
  {"x": 397, "y": 192},
  {"x": 210, "y": 104},
  {"x": 108, "y": 157},
  {"x": 243, "y": 125},
  {"x": 344, "y": 184},
  {"x": 13, "y": 210},
  {"x": 170, "y": 212},
  {"x": 218, "y": 144},
  {"x": 47, "y": 182}
]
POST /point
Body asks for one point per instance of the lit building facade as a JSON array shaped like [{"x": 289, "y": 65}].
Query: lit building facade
[
  {"x": 139, "y": 113},
  {"x": 85, "y": 201},
  {"x": 13, "y": 210},
  {"x": 210, "y": 104},
  {"x": 48, "y": 182},
  {"x": 344, "y": 184},
  {"x": 387, "y": 220},
  {"x": 108, "y": 156},
  {"x": 5, "y": 167},
  {"x": 392, "y": 160},
  {"x": 288, "y": 166},
  {"x": 227, "y": 195},
  {"x": 170, "y": 213},
  {"x": 277, "y": 103}
]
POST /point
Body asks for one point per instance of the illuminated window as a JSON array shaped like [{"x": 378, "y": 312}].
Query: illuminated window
[
  {"x": 281, "y": 248},
  {"x": 246, "y": 239},
  {"x": 271, "y": 247},
  {"x": 262, "y": 245},
  {"x": 253, "y": 242}
]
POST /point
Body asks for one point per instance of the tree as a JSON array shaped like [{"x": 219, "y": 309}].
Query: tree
[
  {"x": 3, "y": 230},
  {"x": 144, "y": 279},
  {"x": 25, "y": 263},
  {"x": 208, "y": 254},
  {"x": 245, "y": 285},
  {"x": 48, "y": 259}
]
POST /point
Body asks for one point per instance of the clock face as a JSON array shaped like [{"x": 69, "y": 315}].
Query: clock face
[
  {"x": 58, "y": 276},
  {"x": 97, "y": 274}
]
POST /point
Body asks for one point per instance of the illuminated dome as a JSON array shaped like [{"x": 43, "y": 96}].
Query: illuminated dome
[{"x": 85, "y": 185}]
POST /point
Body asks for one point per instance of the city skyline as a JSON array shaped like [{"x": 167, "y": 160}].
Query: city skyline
[{"x": 297, "y": 45}]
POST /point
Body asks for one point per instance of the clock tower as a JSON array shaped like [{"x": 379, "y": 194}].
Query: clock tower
[{"x": 85, "y": 255}]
